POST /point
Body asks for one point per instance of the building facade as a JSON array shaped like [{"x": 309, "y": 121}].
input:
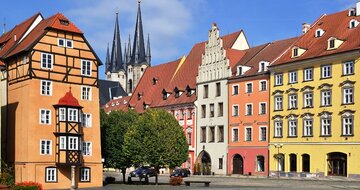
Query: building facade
[
  {"x": 53, "y": 137},
  {"x": 313, "y": 106}
]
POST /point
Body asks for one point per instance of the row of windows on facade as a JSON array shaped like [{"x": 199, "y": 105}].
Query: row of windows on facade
[
  {"x": 72, "y": 143},
  {"x": 249, "y": 109},
  {"x": 220, "y": 110},
  {"x": 211, "y": 134},
  {"x": 308, "y": 73},
  {"x": 249, "y": 87},
  {"x": 260, "y": 163},
  {"x": 308, "y": 99},
  {"x": 293, "y": 162},
  {"x": 263, "y": 66},
  {"x": 72, "y": 116},
  {"x": 46, "y": 90},
  {"x": 248, "y": 134},
  {"x": 47, "y": 62},
  {"x": 182, "y": 113},
  {"x": 347, "y": 127},
  {"x": 51, "y": 174}
]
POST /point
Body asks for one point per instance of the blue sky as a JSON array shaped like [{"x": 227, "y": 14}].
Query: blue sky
[{"x": 176, "y": 25}]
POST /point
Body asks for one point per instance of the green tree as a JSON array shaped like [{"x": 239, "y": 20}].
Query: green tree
[{"x": 117, "y": 124}]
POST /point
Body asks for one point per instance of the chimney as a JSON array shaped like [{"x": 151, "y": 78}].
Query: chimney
[
  {"x": 305, "y": 27},
  {"x": 358, "y": 8}
]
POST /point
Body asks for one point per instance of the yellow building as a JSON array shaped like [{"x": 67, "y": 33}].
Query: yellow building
[{"x": 313, "y": 107}]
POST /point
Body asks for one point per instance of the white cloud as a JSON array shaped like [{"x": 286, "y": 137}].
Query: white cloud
[{"x": 167, "y": 21}]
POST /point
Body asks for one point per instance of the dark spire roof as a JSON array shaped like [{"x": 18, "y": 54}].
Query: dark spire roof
[
  {"x": 125, "y": 53},
  {"x": 138, "y": 53},
  {"x": 116, "y": 55},
  {"x": 128, "y": 55},
  {"x": 107, "y": 62},
  {"x": 148, "y": 51}
]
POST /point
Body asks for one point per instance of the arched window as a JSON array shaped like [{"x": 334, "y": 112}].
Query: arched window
[{"x": 260, "y": 163}]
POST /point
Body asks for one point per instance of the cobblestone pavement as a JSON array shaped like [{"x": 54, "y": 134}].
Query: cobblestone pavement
[{"x": 240, "y": 182}]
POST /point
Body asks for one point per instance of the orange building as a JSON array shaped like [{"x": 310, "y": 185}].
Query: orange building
[
  {"x": 249, "y": 109},
  {"x": 53, "y": 131}
]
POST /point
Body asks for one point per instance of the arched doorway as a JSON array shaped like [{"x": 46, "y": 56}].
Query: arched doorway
[
  {"x": 305, "y": 163},
  {"x": 337, "y": 164},
  {"x": 238, "y": 164},
  {"x": 203, "y": 163},
  {"x": 293, "y": 162}
]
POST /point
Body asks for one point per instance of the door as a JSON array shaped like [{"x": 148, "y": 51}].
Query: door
[
  {"x": 337, "y": 164},
  {"x": 238, "y": 164}
]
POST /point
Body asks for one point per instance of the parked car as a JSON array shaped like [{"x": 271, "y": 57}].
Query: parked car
[
  {"x": 180, "y": 172},
  {"x": 143, "y": 172}
]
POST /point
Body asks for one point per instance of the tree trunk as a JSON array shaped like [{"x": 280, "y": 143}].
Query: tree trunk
[
  {"x": 123, "y": 171},
  {"x": 157, "y": 173}
]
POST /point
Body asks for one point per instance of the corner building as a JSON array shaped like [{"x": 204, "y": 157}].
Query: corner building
[
  {"x": 314, "y": 113},
  {"x": 53, "y": 133}
]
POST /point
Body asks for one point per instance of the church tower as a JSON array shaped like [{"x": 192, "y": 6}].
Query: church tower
[{"x": 128, "y": 68}]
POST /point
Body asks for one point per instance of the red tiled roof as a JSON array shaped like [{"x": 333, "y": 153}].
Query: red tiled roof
[
  {"x": 229, "y": 40},
  {"x": 117, "y": 104},
  {"x": 60, "y": 22},
  {"x": 335, "y": 25},
  {"x": 68, "y": 100},
  {"x": 234, "y": 56}
]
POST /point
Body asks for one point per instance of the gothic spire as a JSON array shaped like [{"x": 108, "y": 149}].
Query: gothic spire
[
  {"x": 107, "y": 62},
  {"x": 116, "y": 55},
  {"x": 125, "y": 53},
  {"x": 138, "y": 53},
  {"x": 128, "y": 55},
  {"x": 148, "y": 51}
]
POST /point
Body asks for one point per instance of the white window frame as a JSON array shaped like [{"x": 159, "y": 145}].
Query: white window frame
[
  {"x": 85, "y": 174},
  {"x": 246, "y": 87},
  {"x": 233, "y": 89},
  {"x": 246, "y": 109},
  {"x": 326, "y": 71},
  {"x": 293, "y": 77},
  {"x": 356, "y": 23},
  {"x": 73, "y": 115},
  {"x": 308, "y": 129},
  {"x": 62, "y": 143},
  {"x": 292, "y": 101},
  {"x": 260, "y": 136},
  {"x": 72, "y": 43},
  {"x": 51, "y": 174},
  {"x": 47, "y": 150},
  {"x": 348, "y": 67},
  {"x": 87, "y": 119},
  {"x": 279, "y": 79},
  {"x": 279, "y": 103},
  {"x": 88, "y": 95},
  {"x": 47, "y": 86},
  {"x": 73, "y": 141},
  {"x": 278, "y": 125},
  {"x": 86, "y": 148},
  {"x": 62, "y": 114},
  {"x": 348, "y": 96},
  {"x": 260, "y": 103},
  {"x": 308, "y": 74},
  {"x": 325, "y": 127},
  {"x": 233, "y": 110},
  {"x": 47, "y": 57},
  {"x": 46, "y": 114},
  {"x": 233, "y": 135},
  {"x": 260, "y": 85},
  {"x": 293, "y": 129},
  {"x": 86, "y": 66},
  {"x": 308, "y": 99},
  {"x": 325, "y": 96},
  {"x": 246, "y": 135},
  {"x": 64, "y": 42},
  {"x": 347, "y": 127}
]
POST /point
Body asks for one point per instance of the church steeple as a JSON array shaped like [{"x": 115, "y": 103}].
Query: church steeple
[
  {"x": 116, "y": 54},
  {"x": 128, "y": 55},
  {"x": 138, "y": 53},
  {"x": 107, "y": 62},
  {"x": 148, "y": 51}
]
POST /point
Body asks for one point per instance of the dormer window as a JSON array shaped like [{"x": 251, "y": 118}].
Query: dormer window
[
  {"x": 263, "y": 66},
  {"x": 353, "y": 23},
  {"x": 239, "y": 70},
  {"x": 352, "y": 12},
  {"x": 155, "y": 81},
  {"x": 297, "y": 51},
  {"x": 177, "y": 93},
  {"x": 334, "y": 43},
  {"x": 319, "y": 32},
  {"x": 165, "y": 94},
  {"x": 139, "y": 96},
  {"x": 145, "y": 106},
  {"x": 64, "y": 22},
  {"x": 331, "y": 43}
]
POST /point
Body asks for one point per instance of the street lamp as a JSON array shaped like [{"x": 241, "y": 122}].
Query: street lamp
[{"x": 278, "y": 146}]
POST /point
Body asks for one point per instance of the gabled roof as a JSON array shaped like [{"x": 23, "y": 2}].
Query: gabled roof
[
  {"x": 335, "y": 25},
  {"x": 109, "y": 90}
]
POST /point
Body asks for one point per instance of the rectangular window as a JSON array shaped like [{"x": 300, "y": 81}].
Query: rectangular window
[
  {"x": 51, "y": 175},
  {"x": 85, "y": 93},
  {"x": 308, "y": 74},
  {"x": 293, "y": 77},
  {"x": 45, "y": 116},
  {"x": 181, "y": 113},
  {"x": 212, "y": 134},
  {"x": 218, "y": 89},
  {"x": 325, "y": 127},
  {"x": 308, "y": 100},
  {"x": 263, "y": 85},
  {"x": 203, "y": 111},
  {"x": 203, "y": 134},
  {"x": 348, "y": 126},
  {"x": 220, "y": 163},
  {"x": 46, "y": 87},
  {"x": 326, "y": 98},
  {"x": 73, "y": 143},
  {"x": 62, "y": 114},
  {"x": 348, "y": 68},
  {"x": 249, "y": 109},
  {"x": 72, "y": 115},
  {"x": 220, "y": 133},
  {"x": 206, "y": 91},
  {"x": 278, "y": 129},
  {"x": 262, "y": 134},
  {"x": 292, "y": 101},
  {"x": 262, "y": 108},
  {"x": 249, "y": 88},
  {"x": 212, "y": 110},
  {"x": 326, "y": 71},
  {"x": 69, "y": 43},
  {"x": 61, "y": 42},
  {"x": 62, "y": 144},
  {"x": 235, "y": 89},
  {"x": 45, "y": 147},
  {"x": 220, "y": 109},
  {"x": 278, "y": 103},
  {"x": 189, "y": 138},
  {"x": 86, "y": 67},
  {"x": 86, "y": 120},
  {"x": 278, "y": 79},
  {"x": 46, "y": 61},
  {"x": 87, "y": 148},
  {"x": 235, "y": 135},
  {"x": 308, "y": 127},
  {"x": 188, "y": 114},
  {"x": 84, "y": 174},
  {"x": 248, "y": 134},
  {"x": 292, "y": 128},
  {"x": 348, "y": 96},
  {"x": 235, "y": 110}
]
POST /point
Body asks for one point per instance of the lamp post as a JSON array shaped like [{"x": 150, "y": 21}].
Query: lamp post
[{"x": 278, "y": 146}]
